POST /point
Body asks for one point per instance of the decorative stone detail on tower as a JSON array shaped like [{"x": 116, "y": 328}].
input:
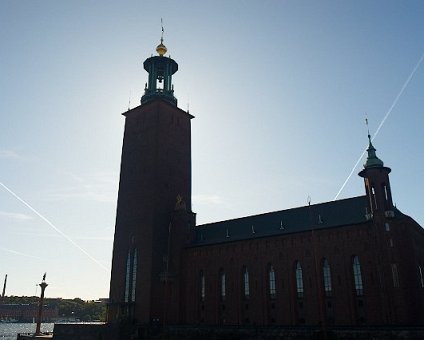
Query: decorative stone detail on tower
[{"x": 180, "y": 204}]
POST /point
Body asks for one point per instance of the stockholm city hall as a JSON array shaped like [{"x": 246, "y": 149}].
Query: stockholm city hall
[{"x": 355, "y": 262}]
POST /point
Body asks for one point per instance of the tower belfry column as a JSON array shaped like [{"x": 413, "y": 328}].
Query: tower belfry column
[{"x": 43, "y": 286}]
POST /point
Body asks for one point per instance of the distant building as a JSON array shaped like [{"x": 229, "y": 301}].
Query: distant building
[
  {"x": 351, "y": 262},
  {"x": 27, "y": 312},
  {"x": 102, "y": 300}
]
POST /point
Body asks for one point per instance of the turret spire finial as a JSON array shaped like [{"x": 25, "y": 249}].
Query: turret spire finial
[
  {"x": 366, "y": 122},
  {"x": 161, "y": 48},
  {"x": 161, "y": 23}
]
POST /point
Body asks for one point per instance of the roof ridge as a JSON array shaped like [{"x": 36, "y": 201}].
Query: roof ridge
[{"x": 283, "y": 210}]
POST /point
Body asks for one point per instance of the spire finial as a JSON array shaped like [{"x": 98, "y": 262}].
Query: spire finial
[
  {"x": 161, "y": 23},
  {"x": 372, "y": 159},
  {"x": 366, "y": 122},
  {"x": 370, "y": 146},
  {"x": 369, "y": 135},
  {"x": 161, "y": 48}
]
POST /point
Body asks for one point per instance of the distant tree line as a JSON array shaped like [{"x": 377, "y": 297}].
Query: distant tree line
[{"x": 68, "y": 308}]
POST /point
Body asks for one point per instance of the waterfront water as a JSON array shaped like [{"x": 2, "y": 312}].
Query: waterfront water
[{"x": 9, "y": 331}]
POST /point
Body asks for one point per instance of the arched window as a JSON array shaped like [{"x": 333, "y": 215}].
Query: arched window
[
  {"x": 271, "y": 277},
  {"x": 327, "y": 278},
  {"x": 202, "y": 286},
  {"x": 420, "y": 271},
  {"x": 357, "y": 277},
  {"x": 299, "y": 280},
  {"x": 246, "y": 282},
  {"x": 131, "y": 276},
  {"x": 374, "y": 197},
  {"x": 134, "y": 276},
  {"x": 222, "y": 282},
  {"x": 395, "y": 275},
  {"x": 127, "y": 278}
]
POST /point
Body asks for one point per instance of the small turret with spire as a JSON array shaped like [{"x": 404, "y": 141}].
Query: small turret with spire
[{"x": 377, "y": 184}]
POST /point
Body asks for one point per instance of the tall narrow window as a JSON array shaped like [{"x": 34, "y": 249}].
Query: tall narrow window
[
  {"x": 127, "y": 278},
  {"x": 357, "y": 277},
  {"x": 299, "y": 280},
  {"x": 222, "y": 279},
  {"x": 395, "y": 275},
  {"x": 202, "y": 286},
  {"x": 420, "y": 271},
  {"x": 327, "y": 278},
  {"x": 246, "y": 283},
  {"x": 374, "y": 197},
  {"x": 134, "y": 276},
  {"x": 271, "y": 277}
]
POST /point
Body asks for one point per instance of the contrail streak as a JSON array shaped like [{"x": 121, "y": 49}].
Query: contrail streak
[
  {"x": 19, "y": 253},
  {"x": 54, "y": 227},
  {"x": 405, "y": 85}
]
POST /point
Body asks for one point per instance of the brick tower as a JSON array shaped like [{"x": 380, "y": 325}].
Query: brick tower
[{"x": 153, "y": 219}]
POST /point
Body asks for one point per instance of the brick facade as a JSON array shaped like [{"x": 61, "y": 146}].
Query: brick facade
[
  {"x": 353, "y": 262},
  {"x": 380, "y": 303}
]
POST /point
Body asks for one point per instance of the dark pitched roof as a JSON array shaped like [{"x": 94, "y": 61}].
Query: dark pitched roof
[{"x": 318, "y": 216}]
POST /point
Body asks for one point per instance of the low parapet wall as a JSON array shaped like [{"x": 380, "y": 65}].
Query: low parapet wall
[
  {"x": 130, "y": 331},
  {"x": 81, "y": 331},
  {"x": 292, "y": 333}
]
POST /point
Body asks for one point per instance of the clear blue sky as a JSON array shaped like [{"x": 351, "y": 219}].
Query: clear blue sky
[{"x": 280, "y": 90}]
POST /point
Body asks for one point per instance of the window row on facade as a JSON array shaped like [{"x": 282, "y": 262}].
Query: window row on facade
[{"x": 298, "y": 275}]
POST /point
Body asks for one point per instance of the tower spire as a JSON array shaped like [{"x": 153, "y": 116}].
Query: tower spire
[{"x": 372, "y": 160}]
